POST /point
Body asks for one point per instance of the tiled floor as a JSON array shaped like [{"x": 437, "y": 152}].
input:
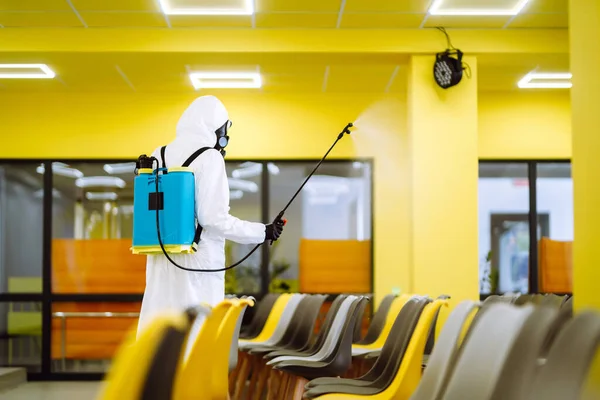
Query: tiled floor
[{"x": 53, "y": 391}]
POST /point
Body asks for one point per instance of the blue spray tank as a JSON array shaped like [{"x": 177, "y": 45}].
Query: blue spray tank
[{"x": 174, "y": 203}]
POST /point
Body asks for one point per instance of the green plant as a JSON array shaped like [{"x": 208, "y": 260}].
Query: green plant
[
  {"x": 277, "y": 269},
  {"x": 245, "y": 278},
  {"x": 231, "y": 284}
]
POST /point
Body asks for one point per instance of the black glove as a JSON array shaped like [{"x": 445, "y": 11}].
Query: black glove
[{"x": 274, "y": 230}]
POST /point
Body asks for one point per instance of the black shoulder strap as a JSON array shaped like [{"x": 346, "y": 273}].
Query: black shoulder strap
[
  {"x": 187, "y": 163},
  {"x": 162, "y": 156},
  {"x": 197, "y": 153}
]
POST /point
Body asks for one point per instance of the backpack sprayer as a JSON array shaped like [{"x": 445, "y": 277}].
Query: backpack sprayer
[{"x": 168, "y": 195}]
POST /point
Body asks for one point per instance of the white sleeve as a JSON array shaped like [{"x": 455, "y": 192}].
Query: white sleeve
[{"x": 212, "y": 202}]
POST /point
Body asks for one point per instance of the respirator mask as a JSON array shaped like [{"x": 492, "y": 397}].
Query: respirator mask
[{"x": 222, "y": 138}]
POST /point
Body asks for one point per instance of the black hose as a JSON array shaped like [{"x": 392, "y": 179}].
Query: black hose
[
  {"x": 167, "y": 254},
  {"x": 279, "y": 216}
]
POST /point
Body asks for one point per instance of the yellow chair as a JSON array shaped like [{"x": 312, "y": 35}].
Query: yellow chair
[
  {"x": 272, "y": 320},
  {"x": 222, "y": 348},
  {"x": 397, "y": 305},
  {"x": 407, "y": 379},
  {"x": 194, "y": 377},
  {"x": 128, "y": 377},
  {"x": 204, "y": 375}
]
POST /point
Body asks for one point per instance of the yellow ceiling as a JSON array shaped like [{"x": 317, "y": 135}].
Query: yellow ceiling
[
  {"x": 281, "y": 72},
  {"x": 356, "y": 14}
]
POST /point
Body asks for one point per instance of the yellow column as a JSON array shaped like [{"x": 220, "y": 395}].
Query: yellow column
[
  {"x": 585, "y": 98},
  {"x": 442, "y": 130}
]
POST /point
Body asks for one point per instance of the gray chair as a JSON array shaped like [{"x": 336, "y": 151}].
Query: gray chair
[
  {"x": 485, "y": 351},
  {"x": 196, "y": 316},
  {"x": 378, "y": 320},
  {"x": 445, "y": 352},
  {"x": 567, "y": 366},
  {"x": 331, "y": 339},
  {"x": 521, "y": 365},
  {"x": 284, "y": 321},
  {"x": 233, "y": 353}
]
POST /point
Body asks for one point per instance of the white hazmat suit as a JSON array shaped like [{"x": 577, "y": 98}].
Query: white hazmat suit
[{"x": 169, "y": 288}]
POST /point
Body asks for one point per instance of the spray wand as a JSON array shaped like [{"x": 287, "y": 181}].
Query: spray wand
[{"x": 279, "y": 218}]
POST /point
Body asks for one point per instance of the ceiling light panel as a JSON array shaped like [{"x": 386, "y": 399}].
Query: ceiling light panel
[
  {"x": 226, "y": 80},
  {"x": 207, "y": 7},
  {"x": 120, "y": 168},
  {"x": 26, "y": 71},
  {"x": 106, "y": 196},
  {"x": 100, "y": 181},
  {"x": 555, "y": 80},
  {"x": 62, "y": 170},
  {"x": 473, "y": 7}
]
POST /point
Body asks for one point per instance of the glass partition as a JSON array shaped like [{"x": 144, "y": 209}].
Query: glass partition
[
  {"x": 503, "y": 227},
  {"x": 326, "y": 246},
  {"x": 555, "y": 204},
  {"x": 92, "y": 229},
  {"x": 21, "y": 216}
]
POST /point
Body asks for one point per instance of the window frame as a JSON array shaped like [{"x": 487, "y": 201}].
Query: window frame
[{"x": 532, "y": 166}]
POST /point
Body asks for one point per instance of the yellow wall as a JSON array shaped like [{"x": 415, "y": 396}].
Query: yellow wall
[
  {"x": 512, "y": 125},
  {"x": 534, "y": 124}
]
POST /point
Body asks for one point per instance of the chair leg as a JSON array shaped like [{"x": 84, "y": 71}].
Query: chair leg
[
  {"x": 271, "y": 385},
  {"x": 298, "y": 388},
  {"x": 254, "y": 373},
  {"x": 276, "y": 385},
  {"x": 287, "y": 382},
  {"x": 242, "y": 377},
  {"x": 263, "y": 375},
  {"x": 233, "y": 375}
]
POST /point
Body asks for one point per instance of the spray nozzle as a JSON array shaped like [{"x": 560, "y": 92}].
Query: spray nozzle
[{"x": 346, "y": 130}]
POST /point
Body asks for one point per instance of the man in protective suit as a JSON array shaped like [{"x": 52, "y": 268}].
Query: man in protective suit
[{"x": 203, "y": 124}]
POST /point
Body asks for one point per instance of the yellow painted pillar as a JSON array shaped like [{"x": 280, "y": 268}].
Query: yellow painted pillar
[
  {"x": 585, "y": 98},
  {"x": 442, "y": 137}
]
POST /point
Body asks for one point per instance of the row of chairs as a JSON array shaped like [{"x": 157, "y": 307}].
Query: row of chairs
[
  {"x": 179, "y": 356},
  {"x": 510, "y": 347},
  {"x": 286, "y": 354},
  {"x": 495, "y": 350}
]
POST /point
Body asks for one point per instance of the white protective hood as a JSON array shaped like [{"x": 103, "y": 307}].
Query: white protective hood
[{"x": 201, "y": 119}]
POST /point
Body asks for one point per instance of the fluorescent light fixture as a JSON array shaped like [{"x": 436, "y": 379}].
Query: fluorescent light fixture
[
  {"x": 167, "y": 8},
  {"x": 100, "y": 181},
  {"x": 322, "y": 200},
  {"x": 535, "y": 80},
  {"x": 128, "y": 209},
  {"x": 437, "y": 8},
  {"x": 121, "y": 168},
  {"x": 44, "y": 71},
  {"x": 252, "y": 169},
  {"x": 236, "y": 194},
  {"x": 249, "y": 171},
  {"x": 239, "y": 184},
  {"x": 38, "y": 194},
  {"x": 273, "y": 169},
  {"x": 323, "y": 185},
  {"x": 101, "y": 196},
  {"x": 62, "y": 170},
  {"x": 226, "y": 80},
  {"x": 357, "y": 165}
]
